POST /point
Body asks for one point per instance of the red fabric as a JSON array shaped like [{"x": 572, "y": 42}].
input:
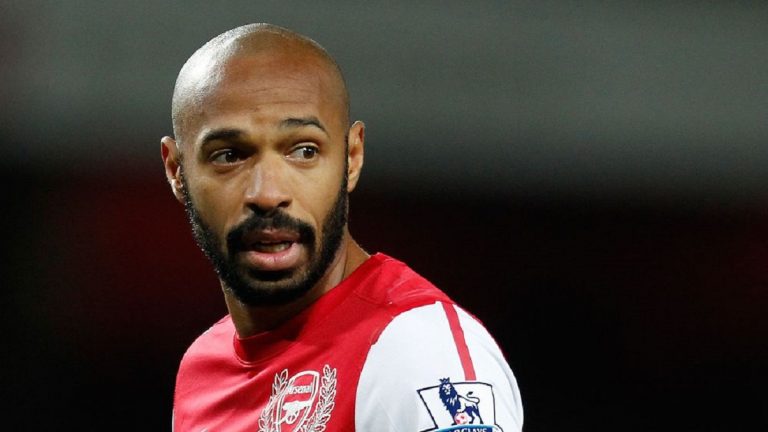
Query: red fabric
[
  {"x": 224, "y": 382},
  {"x": 461, "y": 343}
]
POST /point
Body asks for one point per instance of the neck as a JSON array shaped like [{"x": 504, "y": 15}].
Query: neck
[{"x": 250, "y": 320}]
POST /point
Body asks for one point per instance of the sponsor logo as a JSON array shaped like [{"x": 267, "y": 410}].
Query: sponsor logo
[
  {"x": 460, "y": 407},
  {"x": 301, "y": 403}
]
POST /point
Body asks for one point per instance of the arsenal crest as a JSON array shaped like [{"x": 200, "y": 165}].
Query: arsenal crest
[{"x": 301, "y": 403}]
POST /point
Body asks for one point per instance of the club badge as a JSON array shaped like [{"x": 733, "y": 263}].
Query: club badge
[{"x": 301, "y": 403}]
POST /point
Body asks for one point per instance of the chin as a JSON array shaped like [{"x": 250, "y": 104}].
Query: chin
[{"x": 271, "y": 289}]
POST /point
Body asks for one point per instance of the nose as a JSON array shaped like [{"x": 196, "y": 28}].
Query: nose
[{"x": 267, "y": 189}]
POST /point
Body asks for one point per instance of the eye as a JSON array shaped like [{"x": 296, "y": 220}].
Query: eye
[
  {"x": 304, "y": 153},
  {"x": 226, "y": 157}
]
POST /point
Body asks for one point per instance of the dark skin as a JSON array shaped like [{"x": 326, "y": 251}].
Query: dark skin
[{"x": 260, "y": 125}]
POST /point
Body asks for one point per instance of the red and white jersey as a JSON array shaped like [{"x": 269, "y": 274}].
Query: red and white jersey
[{"x": 383, "y": 351}]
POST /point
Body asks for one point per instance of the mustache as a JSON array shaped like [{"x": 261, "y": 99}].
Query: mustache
[{"x": 278, "y": 220}]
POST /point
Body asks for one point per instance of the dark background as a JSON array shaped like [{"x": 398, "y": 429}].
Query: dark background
[{"x": 588, "y": 178}]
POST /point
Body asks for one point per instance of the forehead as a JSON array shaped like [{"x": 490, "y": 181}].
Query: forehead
[{"x": 261, "y": 89}]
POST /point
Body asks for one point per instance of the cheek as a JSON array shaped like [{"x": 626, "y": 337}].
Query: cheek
[
  {"x": 217, "y": 205},
  {"x": 319, "y": 195}
]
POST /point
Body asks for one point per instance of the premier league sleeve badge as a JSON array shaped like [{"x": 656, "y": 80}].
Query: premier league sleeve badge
[{"x": 460, "y": 407}]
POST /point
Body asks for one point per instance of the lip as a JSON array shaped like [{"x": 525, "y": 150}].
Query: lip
[
  {"x": 278, "y": 260},
  {"x": 271, "y": 236}
]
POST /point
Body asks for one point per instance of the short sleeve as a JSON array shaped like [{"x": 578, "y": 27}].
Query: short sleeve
[{"x": 433, "y": 368}]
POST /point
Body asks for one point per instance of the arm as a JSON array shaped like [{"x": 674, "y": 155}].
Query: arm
[{"x": 432, "y": 367}]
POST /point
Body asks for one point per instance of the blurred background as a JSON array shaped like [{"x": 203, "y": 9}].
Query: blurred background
[{"x": 589, "y": 178}]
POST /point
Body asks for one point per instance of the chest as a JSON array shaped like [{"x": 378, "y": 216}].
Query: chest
[{"x": 309, "y": 387}]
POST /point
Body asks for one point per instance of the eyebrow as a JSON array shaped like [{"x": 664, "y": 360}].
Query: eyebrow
[
  {"x": 289, "y": 123},
  {"x": 221, "y": 134},
  {"x": 294, "y": 122}
]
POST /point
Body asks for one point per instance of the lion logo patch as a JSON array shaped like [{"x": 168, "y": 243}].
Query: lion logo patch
[{"x": 461, "y": 406}]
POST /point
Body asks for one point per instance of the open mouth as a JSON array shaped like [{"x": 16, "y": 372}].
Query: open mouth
[
  {"x": 271, "y": 246},
  {"x": 270, "y": 249}
]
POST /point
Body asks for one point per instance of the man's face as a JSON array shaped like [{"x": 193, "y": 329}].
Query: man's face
[{"x": 264, "y": 166}]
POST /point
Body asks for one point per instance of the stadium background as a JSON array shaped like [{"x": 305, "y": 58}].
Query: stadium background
[{"x": 589, "y": 178}]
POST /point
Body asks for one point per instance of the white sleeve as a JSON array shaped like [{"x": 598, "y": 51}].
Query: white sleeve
[{"x": 435, "y": 367}]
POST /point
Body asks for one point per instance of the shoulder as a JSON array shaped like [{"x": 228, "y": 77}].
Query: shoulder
[
  {"x": 439, "y": 338},
  {"x": 389, "y": 282},
  {"x": 209, "y": 347},
  {"x": 427, "y": 349}
]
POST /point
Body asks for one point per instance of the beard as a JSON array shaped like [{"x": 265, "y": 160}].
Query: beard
[{"x": 270, "y": 288}]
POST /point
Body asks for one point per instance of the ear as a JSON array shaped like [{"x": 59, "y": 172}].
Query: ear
[
  {"x": 169, "y": 151},
  {"x": 355, "y": 153}
]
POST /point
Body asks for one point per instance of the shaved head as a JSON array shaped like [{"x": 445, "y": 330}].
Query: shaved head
[
  {"x": 211, "y": 66},
  {"x": 263, "y": 159}
]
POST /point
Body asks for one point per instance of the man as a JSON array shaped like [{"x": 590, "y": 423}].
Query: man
[{"x": 320, "y": 335}]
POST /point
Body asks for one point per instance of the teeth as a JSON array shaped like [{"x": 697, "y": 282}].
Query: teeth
[{"x": 271, "y": 247}]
